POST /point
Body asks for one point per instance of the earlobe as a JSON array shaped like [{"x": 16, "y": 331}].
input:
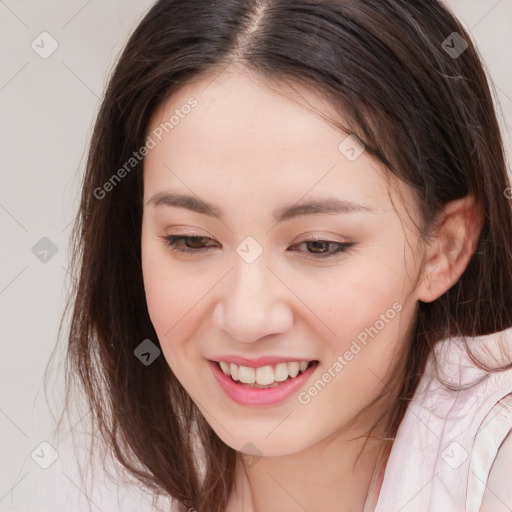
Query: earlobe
[{"x": 451, "y": 248}]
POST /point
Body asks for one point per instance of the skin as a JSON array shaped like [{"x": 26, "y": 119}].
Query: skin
[{"x": 250, "y": 150}]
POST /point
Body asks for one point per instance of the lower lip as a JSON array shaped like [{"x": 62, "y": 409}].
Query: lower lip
[{"x": 246, "y": 395}]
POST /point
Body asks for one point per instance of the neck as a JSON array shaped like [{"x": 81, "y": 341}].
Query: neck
[{"x": 334, "y": 475}]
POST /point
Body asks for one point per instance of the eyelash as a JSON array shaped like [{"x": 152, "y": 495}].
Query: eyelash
[{"x": 174, "y": 240}]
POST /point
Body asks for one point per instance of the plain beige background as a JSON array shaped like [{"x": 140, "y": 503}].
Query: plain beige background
[{"x": 47, "y": 111}]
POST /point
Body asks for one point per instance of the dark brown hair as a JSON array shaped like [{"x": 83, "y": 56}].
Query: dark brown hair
[{"x": 426, "y": 114}]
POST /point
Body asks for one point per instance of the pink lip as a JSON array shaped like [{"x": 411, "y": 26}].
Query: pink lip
[
  {"x": 258, "y": 362},
  {"x": 245, "y": 395}
]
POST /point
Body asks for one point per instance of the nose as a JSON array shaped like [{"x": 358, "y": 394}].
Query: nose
[{"x": 253, "y": 303}]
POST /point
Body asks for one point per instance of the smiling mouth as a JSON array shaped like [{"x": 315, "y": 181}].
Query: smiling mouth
[{"x": 265, "y": 377}]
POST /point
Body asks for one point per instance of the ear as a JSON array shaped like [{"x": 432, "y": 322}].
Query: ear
[{"x": 450, "y": 248}]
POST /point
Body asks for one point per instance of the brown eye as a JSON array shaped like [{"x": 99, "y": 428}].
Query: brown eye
[
  {"x": 318, "y": 246},
  {"x": 195, "y": 242},
  {"x": 323, "y": 248},
  {"x": 189, "y": 244}
]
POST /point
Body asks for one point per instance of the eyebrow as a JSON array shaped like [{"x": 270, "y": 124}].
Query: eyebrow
[{"x": 313, "y": 207}]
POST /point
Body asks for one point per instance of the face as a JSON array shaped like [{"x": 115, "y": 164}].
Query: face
[{"x": 281, "y": 264}]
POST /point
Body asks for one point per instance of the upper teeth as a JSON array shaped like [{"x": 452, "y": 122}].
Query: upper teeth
[{"x": 265, "y": 374}]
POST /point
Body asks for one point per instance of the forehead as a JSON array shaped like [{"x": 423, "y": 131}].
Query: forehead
[
  {"x": 237, "y": 113},
  {"x": 244, "y": 137}
]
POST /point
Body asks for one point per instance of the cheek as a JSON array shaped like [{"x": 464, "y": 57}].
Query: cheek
[
  {"x": 168, "y": 292},
  {"x": 170, "y": 305},
  {"x": 170, "y": 297},
  {"x": 370, "y": 318},
  {"x": 177, "y": 301},
  {"x": 356, "y": 298}
]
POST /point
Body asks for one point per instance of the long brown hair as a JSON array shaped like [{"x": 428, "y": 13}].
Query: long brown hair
[{"x": 423, "y": 111}]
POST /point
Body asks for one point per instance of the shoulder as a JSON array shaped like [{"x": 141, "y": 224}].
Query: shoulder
[
  {"x": 490, "y": 475},
  {"x": 454, "y": 444},
  {"x": 498, "y": 489}
]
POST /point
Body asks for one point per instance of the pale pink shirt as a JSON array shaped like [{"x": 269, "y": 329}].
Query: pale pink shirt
[{"x": 451, "y": 452}]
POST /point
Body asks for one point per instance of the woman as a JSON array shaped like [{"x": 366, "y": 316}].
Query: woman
[{"x": 289, "y": 209}]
